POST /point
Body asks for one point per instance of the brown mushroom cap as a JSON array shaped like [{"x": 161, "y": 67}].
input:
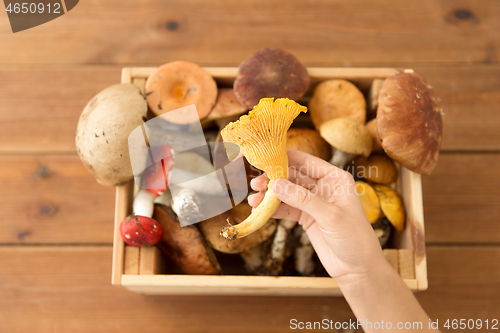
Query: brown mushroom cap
[
  {"x": 185, "y": 246},
  {"x": 211, "y": 230},
  {"x": 270, "y": 72},
  {"x": 347, "y": 135},
  {"x": 371, "y": 126},
  {"x": 391, "y": 205},
  {"x": 370, "y": 201},
  {"x": 334, "y": 99},
  {"x": 227, "y": 105},
  {"x": 308, "y": 141},
  {"x": 410, "y": 122},
  {"x": 178, "y": 84},
  {"x": 377, "y": 168}
]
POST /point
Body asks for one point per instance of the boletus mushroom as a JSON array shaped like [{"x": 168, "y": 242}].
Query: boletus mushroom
[
  {"x": 212, "y": 226},
  {"x": 391, "y": 205},
  {"x": 369, "y": 200},
  {"x": 261, "y": 136},
  {"x": 178, "y": 84},
  {"x": 103, "y": 130},
  {"x": 270, "y": 72},
  {"x": 410, "y": 122},
  {"x": 372, "y": 127},
  {"x": 334, "y": 99},
  {"x": 348, "y": 139},
  {"x": 226, "y": 106},
  {"x": 308, "y": 141}
]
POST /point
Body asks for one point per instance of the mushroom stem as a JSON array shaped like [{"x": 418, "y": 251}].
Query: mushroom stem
[
  {"x": 304, "y": 263},
  {"x": 257, "y": 219},
  {"x": 144, "y": 203},
  {"x": 340, "y": 159}
]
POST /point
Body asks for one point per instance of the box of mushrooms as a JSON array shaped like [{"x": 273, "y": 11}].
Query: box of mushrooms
[{"x": 383, "y": 125}]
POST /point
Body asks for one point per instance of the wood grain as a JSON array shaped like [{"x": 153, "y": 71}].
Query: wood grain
[
  {"x": 333, "y": 32},
  {"x": 65, "y": 205},
  {"x": 77, "y": 296},
  {"x": 53, "y": 199},
  {"x": 40, "y": 117},
  {"x": 461, "y": 199}
]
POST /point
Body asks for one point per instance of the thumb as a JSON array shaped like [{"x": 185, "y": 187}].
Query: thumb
[{"x": 298, "y": 197}]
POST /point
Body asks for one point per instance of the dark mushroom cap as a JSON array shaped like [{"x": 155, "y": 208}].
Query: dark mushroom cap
[
  {"x": 410, "y": 122},
  {"x": 270, "y": 72}
]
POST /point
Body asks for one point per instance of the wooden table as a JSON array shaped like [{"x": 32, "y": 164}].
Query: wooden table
[{"x": 56, "y": 226}]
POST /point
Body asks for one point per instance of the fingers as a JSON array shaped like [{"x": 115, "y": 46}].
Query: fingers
[
  {"x": 298, "y": 197},
  {"x": 295, "y": 176},
  {"x": 283, "y": 212},
  {"x": 309, "y": 165}
]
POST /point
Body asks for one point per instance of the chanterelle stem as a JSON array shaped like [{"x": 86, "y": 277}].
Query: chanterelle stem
[{"x": 256, "y": 220}]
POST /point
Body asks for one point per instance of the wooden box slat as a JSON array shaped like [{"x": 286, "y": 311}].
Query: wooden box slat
[{"x": 409, "y": 261}]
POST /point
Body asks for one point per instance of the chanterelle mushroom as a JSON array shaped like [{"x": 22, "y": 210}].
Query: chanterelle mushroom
[{"x": 261, "y": 136}]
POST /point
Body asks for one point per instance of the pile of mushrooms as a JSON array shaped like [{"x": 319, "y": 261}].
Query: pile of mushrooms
[{"x": 400, "y": 123}]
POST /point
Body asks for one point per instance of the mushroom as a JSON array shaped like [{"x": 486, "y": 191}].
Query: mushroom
[
  {"x": 261, "y": 135},
  {"x": 382, "y": 229},
  {"x": 410, "y": 122},
  {"x": 308, "y": 141},
  {"x": 103, "y": 130},
  {"x": 212, "y": 226},
  {"x": 373, "y": 97},
  {"x": 303, "y": 258},
  {"x": 178, "y": 84},
  {"x": 348, "y": 139},
  {"x": 185, "y": 246},
  {"x": 155, "y": 176},
  {"x": 370, "y": 201},
  {"x": 391, "y": 205},
  {"x": 140, "y": 228},
  {"x": 334, "y": 99},
  {"x": 371, "y": 126},
  {"x": 377, "y": 168},
  {"x": 186, "y": 204},
  {"x": 226, "y": 106},
  {"x": 270, "y": 72},
  {"x": 280, "y": 247}
]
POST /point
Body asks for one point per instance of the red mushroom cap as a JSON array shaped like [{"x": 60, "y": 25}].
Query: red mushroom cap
[
  {"x": 140, "y": 230},
  {"x": 156, "y": 175}
]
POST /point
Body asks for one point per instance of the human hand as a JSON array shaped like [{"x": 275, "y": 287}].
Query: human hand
[{"x": 324, "y": 200}]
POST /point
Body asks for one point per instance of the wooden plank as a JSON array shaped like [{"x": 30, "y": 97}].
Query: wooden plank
[
  {"x": 406, "y": 263},
  {"x": 40, "y": 106},
  {"x": 461, "y": 199},
  {"x": 392, "y": 257},
  {"x": 152, "y": 32},
  {"x": 53, "y": 199},
  {"x": 130, "y": 261},
  {"x": 150, "y": 260},
  {"x": 40, "y": 117},
  {"x": 73, "y": 285}
]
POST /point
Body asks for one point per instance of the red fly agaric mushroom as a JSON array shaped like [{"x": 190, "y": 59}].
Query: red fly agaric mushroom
[
  {"x": 410, "y": 122},
  {"x": 156, "y": 175},
  {"x": 334, "y": 99},
  {"x": 348, "y": 139},
  {"x": 261, "y": 136},
  {"x": 137, "y": 230},
  {"x": 270, "y": 72},
  {"x": 178, "y": 84}
]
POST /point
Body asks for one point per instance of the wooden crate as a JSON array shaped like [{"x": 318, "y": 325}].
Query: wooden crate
[{"x": 137, "y": 269}]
